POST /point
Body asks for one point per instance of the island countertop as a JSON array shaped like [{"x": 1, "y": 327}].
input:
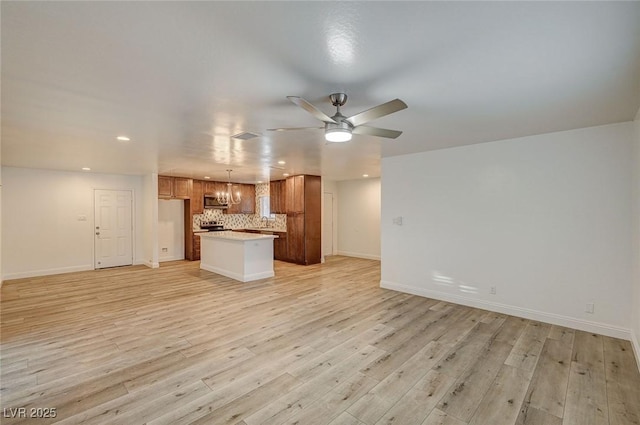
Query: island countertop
[{"x": 236, "y": 236}]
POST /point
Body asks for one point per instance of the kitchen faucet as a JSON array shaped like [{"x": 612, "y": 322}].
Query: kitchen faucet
[{"x": 264, "y": 221}]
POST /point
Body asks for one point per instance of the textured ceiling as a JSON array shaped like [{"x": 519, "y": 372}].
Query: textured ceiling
[{"x": 180, "y": 78}]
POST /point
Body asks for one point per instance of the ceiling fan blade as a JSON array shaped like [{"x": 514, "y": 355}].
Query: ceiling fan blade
[
  {"x": 295, "y": 128},
  {"x": 374, "y": 131},
  {"x": 377, "y": 112},
  {"x": 311, "y": 109}
]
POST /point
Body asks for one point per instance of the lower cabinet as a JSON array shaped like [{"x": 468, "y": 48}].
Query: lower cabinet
[
  {"x": 280, "y": 246},
  {"x": 196, "y": 247},
  {"x": 295, "y": 238}
]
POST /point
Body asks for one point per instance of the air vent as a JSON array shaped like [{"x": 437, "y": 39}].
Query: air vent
[{"x": 245, "y": 135}]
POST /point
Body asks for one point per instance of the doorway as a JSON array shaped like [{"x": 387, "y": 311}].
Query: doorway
[
  {"x": 113, "y": 228},
  {"x": 327, "y": 229}
]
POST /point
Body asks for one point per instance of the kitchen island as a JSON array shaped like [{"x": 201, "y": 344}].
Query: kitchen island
[{"x": 238, "y": 255}]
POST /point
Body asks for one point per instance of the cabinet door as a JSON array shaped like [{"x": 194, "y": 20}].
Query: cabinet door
[
  {"x": 273, "y": 197},
  {"x": 295, "y": 194},
  {"x": 197, "y": 201},
  {"x": 279, "y": 202},
  {"x": 182, "y": 188},
  {"x": 280, "y": 247},
  {"x": 248, "y": 204},
  {"x": 295, "y": 238},
  {"x": 196, "y": 247},
  {"x": 210, "y": 188},
  {"x": 165, "y": 187}
]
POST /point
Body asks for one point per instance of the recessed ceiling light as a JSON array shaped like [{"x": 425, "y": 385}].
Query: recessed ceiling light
[
  {"x": 281, "y": 162},
  {"x": 207, "y": 177},
  {"x": 123, "y": 138},
  {"x": 86, "y": 169},
  {"x": 285, "y": 174},
  {"x": 259, "y": 182},
  {"x": 365, "y": 175}
]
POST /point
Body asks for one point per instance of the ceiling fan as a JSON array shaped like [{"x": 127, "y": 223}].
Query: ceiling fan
[{"x": 339, "y": 128}]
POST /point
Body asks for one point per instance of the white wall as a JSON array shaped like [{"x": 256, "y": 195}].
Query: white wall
[
  {"x": 171, "y": 229},
  {"x": 359, "y": 218},
  {"x": 635, "y": 306},
  {"x": 41, "y": 232},
  {"x": 150, "y": 221},
  {"x": 545, "y": 219}
]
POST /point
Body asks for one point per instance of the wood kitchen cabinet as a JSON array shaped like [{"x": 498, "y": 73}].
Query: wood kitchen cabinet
[
  {"x": 304, "y": 244},
  {"x": 280, "y": 246},
  {"x": 211, "y": 188},
  {"x": 247, "y": 203},
  {"x": 174, "y": 187},
  {"x": 295, "y": 195},
  {"x": 277, "y": 197},
  {"x": 165, "y": 187},
  {"x": 196, "y": 246},
  {"x": 197, "y": 197},
  {"x": 182, "y": 188}
]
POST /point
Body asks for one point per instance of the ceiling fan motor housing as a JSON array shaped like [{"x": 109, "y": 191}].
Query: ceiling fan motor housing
[{"x": 338, "y": 99}]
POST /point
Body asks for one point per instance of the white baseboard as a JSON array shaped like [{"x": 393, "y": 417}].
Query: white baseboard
[
  {"x": 173, "y": 258},
  {"x": 541, "y": 316},
  {"x": 46, "y": 272},
  {"x": 237, "y": 276},
  {"x": 359, "y": 255},
  {"x": 149, "y": 264},
  {"x": 636, "y": 347}
]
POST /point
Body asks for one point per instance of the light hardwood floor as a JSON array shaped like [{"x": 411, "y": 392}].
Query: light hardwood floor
[{"x": 319, "y": 344}]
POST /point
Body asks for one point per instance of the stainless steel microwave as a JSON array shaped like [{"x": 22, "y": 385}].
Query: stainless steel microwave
[{"x": 211, "y": 201}]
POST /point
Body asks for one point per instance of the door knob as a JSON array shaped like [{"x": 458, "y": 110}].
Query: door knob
[{"x": 98, "y": 233}]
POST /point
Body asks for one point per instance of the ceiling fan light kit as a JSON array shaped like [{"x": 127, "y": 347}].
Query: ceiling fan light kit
[
  {"x": 339, "y": 128},
  {"x": 337, "y": 133}
]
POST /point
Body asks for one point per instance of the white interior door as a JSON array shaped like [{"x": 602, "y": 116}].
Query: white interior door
[
  {"x": 327, "y": 230},
  {"x": 113, "y": 232}
]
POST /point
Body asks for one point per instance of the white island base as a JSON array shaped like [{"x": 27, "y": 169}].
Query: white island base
[{"x": 240, "y": 256}]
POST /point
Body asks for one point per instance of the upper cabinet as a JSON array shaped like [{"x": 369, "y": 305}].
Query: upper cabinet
[
  {"x": 247, "y": 205},
  {"x": 277, "y": 195},
  {"x": 165, "y": 187},
  {"x": 211, "y": 188},
  {"x": 194, "y": 190},
  {"x": 295, "y": 195},
  {"x": 174, "y": 187},
  {"x": 197, "y": 197}
]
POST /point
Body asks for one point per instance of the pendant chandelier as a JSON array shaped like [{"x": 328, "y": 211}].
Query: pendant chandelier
[{"x": 228, "y": 197}]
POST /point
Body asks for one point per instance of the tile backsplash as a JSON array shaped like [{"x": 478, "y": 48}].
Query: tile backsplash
[{"x": 241, "y": 221}]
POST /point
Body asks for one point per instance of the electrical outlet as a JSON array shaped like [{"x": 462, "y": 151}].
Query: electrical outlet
[
  {"x": 397, "y": 221},
  {"x": 165, "y": 249},
  {"x": 492, "y": 291},
  {"x": 589, "y": 308}
]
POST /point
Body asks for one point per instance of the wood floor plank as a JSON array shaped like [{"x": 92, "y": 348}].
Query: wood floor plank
[
  {"x": 526, "y": 351},
  {"x": 501, "y": 403},
  {"x": 419, "y": 401},
  {"x": 469, "y": 389},
  {"x": 623, "y": 391},
  {"x": 373, "y": 405},
  {"x": 438, "y": 417},
  {"x": 586, "y": 401},
  {"x": 548, "y": 388},
  {"x": 321, "y": 344}
]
